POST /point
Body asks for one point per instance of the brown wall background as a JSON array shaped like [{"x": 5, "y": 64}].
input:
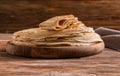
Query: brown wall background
[{"x": 21, "y": 14}]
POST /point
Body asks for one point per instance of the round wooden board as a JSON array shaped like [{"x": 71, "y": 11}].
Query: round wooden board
[{"x": 55, "y": 52}]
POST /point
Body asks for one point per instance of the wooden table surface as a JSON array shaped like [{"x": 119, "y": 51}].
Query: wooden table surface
[{"x": 106, "y": 63}]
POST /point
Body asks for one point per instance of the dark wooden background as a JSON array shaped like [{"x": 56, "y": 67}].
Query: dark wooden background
[{"x": 21, "y": 14}]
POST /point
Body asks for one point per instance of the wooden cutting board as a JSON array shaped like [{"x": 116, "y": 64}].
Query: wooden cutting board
[
  {"x": 106, "y": 63},
  {"x": 41, "y": 52}
]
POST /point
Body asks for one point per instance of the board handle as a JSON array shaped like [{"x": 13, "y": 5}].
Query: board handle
[{"x": 4, "y": 38}]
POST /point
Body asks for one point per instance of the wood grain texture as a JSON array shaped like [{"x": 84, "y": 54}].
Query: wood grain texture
[
  {"x": 106, "y": 63},
  {"x": 54, "y": 51},
  {"x": 21, "y": 14}
]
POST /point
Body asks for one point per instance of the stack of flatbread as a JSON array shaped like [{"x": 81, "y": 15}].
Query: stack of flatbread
[{"x": 58, "y": 31}]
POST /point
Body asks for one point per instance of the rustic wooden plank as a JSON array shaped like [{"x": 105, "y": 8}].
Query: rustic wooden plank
[
  {"x": 20, "y": 14},
  {"x": 105, "y": 64}
]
